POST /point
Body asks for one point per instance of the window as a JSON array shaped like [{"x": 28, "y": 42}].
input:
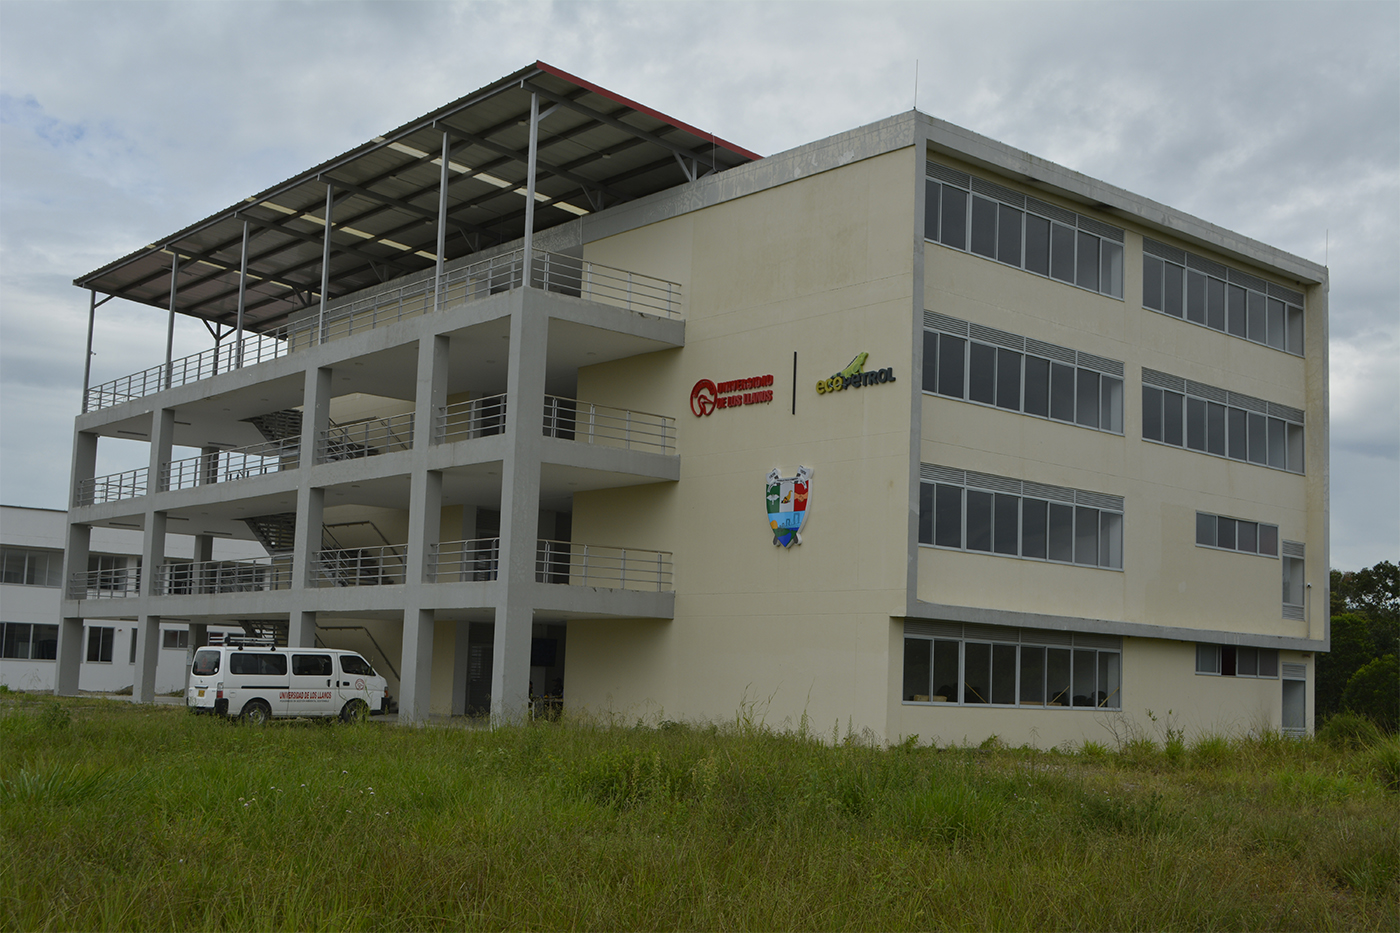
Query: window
[
  {"x": 23, "y": 641},
  {"x": 354, "y": 664},
  {"x": 971, "y": 214},
  {"x": 99, "y": 644},
  {"x": 175, "y": 638},
  {"x": 247, "y": 662},
  {"x": 1236, "y": 534},
  {"x": 973, "y": 511},
  {"x": 1185, "y": 413},
  {"x": 1010, "y": 667},
  {"x": 1236, "y": 661},
  {"x": 132, "y": 659},
  {"x": 1205, "y": 292},
  {"x": 206, "y": 663},
  {"x": 311, "y": 665},
  {"x": 1293, "y": 582},
  {"x": 991, "y": 367},
  {"x": 31, "y": 566}
]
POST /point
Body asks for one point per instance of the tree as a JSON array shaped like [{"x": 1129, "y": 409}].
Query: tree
[
  {"x": 1365, "y": 630},
  {"x": 1374, "y": 692}
]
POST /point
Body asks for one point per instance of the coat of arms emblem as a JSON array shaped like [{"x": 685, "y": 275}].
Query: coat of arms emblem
[{"x": 787, "y": 499}]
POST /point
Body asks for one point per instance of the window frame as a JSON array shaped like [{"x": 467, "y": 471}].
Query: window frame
[
  {"x": 1243, "y": 307},
  {"x": 1237, "y": 548},
  {"x": 1214, "y": 660},
  {"x": 999, "y": 674},
  {"x": 1247, "y": 435}
]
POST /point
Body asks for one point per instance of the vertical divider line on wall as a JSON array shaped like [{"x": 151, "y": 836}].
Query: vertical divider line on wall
[{"x": 794, "y": 382}]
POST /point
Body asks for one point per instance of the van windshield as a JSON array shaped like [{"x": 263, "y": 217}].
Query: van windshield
[
  {"x": 354, "y": 664},
  {"x": 206, "y": 662}
]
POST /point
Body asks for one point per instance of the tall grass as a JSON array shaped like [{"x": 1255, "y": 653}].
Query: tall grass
[{"x": 127, "y": 817}]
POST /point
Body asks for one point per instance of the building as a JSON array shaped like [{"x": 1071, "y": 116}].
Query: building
[
  {"x": 31, "y": 591},
  {"x": 504, "y": 420}
]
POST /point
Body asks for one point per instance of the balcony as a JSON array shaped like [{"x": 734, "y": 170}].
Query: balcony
[
  {"x": 552, "y": 272},
  {"x": 365, "y": 566},
  {"x": 368, "y": 438},
  {"x": 113, "y": 487},
  {"x": 587, "y": 423},
  {"x": 229, "y": 465},
  {"x": 117, "y": 583},
  {"x": 255, "y": 575}
]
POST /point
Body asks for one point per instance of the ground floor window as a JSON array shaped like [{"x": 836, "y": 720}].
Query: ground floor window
[
  {"x": 1008, "y": 667},
  {"x": 99, "y": 645},
  {"x": 24, "y": 641},
  {"x": 175, "y": 638},
  {"x": 1236, "y": 661}
]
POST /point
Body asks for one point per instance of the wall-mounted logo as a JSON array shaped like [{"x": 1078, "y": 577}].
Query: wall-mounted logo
[
  {"x": 854, "y": 376},
  {"x": 708, "y": 395},
  {"x": 787, "y": 498}
]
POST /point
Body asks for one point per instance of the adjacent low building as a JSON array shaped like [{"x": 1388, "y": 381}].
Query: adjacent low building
[{"x": 500, "y": 391}]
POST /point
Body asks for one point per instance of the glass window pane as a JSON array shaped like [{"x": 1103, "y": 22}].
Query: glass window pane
[
  {"x": 1171, "y": 418},
  {"x": 953, "y": 224},
  {"x": 984, "y": 227},
  {"x": 1195, "y": 423},
  {"x": 1037, "y": 386},
  {"x": 1087, "y": 274},
  {"x": 1215, "y": 304},
  {"x": 1151, "y": 413},
  {"x": 948, "y": 509},
  {"x": 1062, "y": 252},
  {"x": 1037, "y": 244},
  {"x": 1032, "y": 675},
  {"x": 1004, "y": 674},
  {"x": 945, "y": 671},
  {"x": 1238, "y": 436},
  {"x": 950, "y": 365},
  {"x": 1005, "y": 538},
  {"x": 979, "y": 520},
  {"x": 1248, "y": 537},
  {"x": 1152, "y": 283},
  {"x": 982, "y": 373},
  {"x": 1295, "y": 330},
  {"x": 1111, "y": 278},
  {"x": 1111, "y": 404},
  {"x": 1295, "y": 450},
  {"x": 1008, "y": 379},
  {"x": 1258, "y": 318},
  {"x": 45, "y": 642},
  {"x": 1278, "y": 444},
  {"x": 1246, "y": 661},
  {"x": 926, "y": 513},
  {"x": 1086, "y": 536},
  {"x": 1061, "y": 392},
  {"x": 1268, "y": 662},
  {"x": 1195, "y": 296},
  {"x": 1215, "y": 429},
  {"x": 1205, "y": 529},
  {"x": 1061, "y": 532},
  {"x": 1033, "y": 527},
  {"x": 930, "y": 361},
  {"x": 1268, "y": 540},
  {"x": 1276, "y": 324},
  {"x": 1111, "y": 540},
  {"x": 1293, "y": 581},
  {"x": 977, "y": 672},
  {"x": 1171, "y": 289},
  {"x": 1087, "y": 404},
  {"x": 931, "y": 189},
  {"x": 1258, "y": 438},
  {"x": 1237, "y": 315},
  {"x": 1225, "y": 533},
  {"x": 1085, "y": 676},
  {"x": 1057, "y": 667},
  {"x": 1207, "y": 659},
  {"x": 1008, "y": 235},
  {"x": 1110, "y": 680},
  {"x": 918, "y": 666}
]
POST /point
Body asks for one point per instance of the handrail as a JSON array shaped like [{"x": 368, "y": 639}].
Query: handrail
[
  {"x": 113, "y": 487},
  {"x": 478, "y": 417},
  {"x": 585, "y": 422},
  {"x": 228, "y": 465},
  {"x": 577, "y": 564},
  {"x": 116, "y": 583},
  {"x": 367, "y": 438},
  {"x": 554, "y": 272},
  {"x": 251, "y": 575},
  {"x": 363, "y": 566},
  {"x": 474, "y": 560}
]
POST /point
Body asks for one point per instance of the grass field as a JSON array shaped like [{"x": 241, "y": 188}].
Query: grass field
[{"x": 115, "y": 817}]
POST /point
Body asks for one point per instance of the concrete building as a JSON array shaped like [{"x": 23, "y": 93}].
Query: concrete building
[
  {"x": 500, "y": 391},
  {"x": 31, "y": 595}
]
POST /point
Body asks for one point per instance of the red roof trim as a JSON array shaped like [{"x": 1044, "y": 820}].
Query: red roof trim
[{"x": 641, "y": 108}]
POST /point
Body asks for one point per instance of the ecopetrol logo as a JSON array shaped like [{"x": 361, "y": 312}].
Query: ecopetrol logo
[
  {"x": 708, "y": 395},
  {"x": 854, "y": 376}
]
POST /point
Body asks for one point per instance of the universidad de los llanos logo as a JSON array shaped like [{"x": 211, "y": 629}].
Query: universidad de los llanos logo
[{"x": 787, "y": 505}]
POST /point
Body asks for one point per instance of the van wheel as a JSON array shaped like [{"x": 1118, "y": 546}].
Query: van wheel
[
  {"x": 257, "y": 713},
  {"x": 355, "y": 711}
]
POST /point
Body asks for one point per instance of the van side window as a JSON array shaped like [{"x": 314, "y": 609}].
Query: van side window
[
  {"x": 312, "y": 665},
  {"x": 259, "y": 664},
  {"x": 206, "y": 663},
  {"x": 354, "y": 664}
]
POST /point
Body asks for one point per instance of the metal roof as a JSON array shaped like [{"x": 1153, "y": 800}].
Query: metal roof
[{"x": 595, "y": 149}]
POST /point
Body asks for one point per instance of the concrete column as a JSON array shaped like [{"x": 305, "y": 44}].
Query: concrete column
[
  {"x": 311, "y": 500},
  {"x": 520, "y": 512},
  {"x": 301, "y": 629},
  {"x": 415, "y": 683},
  {"x": 69, "y": 659},
  {"x": 461, "y": 661},
  {"x": 147, "y": 632},
  {"x": 199, "y": 637},
  {"x": 84, "y": 465},
  {"x": 162, "y": 438},
  {"x": 202, "y": 581}
]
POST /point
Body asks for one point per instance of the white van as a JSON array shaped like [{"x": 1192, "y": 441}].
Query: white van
[{"x": 262, "y": 683}]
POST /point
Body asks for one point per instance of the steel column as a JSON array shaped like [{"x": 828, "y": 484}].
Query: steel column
[
  {"x": 242, "y": 289},
  {"x": 325, "y": 268},
  {"x": 530, "y": 185},
  {"x": 87, "y": 358},
  {"x": 441, "y": 224},
  {"x": 170, "y": 328}
]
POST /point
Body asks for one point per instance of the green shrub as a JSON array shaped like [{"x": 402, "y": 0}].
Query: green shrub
[{"x": 1348, "y": 730}]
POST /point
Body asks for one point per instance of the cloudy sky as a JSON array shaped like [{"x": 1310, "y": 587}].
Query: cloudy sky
[{"x": 123, "y": 122}]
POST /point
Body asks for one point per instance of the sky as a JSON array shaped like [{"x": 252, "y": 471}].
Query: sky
[{"x": 121, "y": 123}]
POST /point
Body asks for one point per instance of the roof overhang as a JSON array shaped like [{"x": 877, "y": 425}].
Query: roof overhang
[{"x": 595, "y": 149}]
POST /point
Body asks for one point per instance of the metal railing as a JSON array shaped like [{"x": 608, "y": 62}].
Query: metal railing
[
  {"x": 608, "y": 567},
  {"x": 363, "y": 566},
  {"x": 237, "y": 463},
  {"x": 478, "y": 417},
  {"x": 472, "y": 561},
  {"x": 105, "y": 584},
  {"x": 570, "y": 419},
  {"x": 566, "y": 275},
  {"x": 366, "y": 438},
  {"x": 113, "y": 487},
  {"x": 254, "y": 575}
]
